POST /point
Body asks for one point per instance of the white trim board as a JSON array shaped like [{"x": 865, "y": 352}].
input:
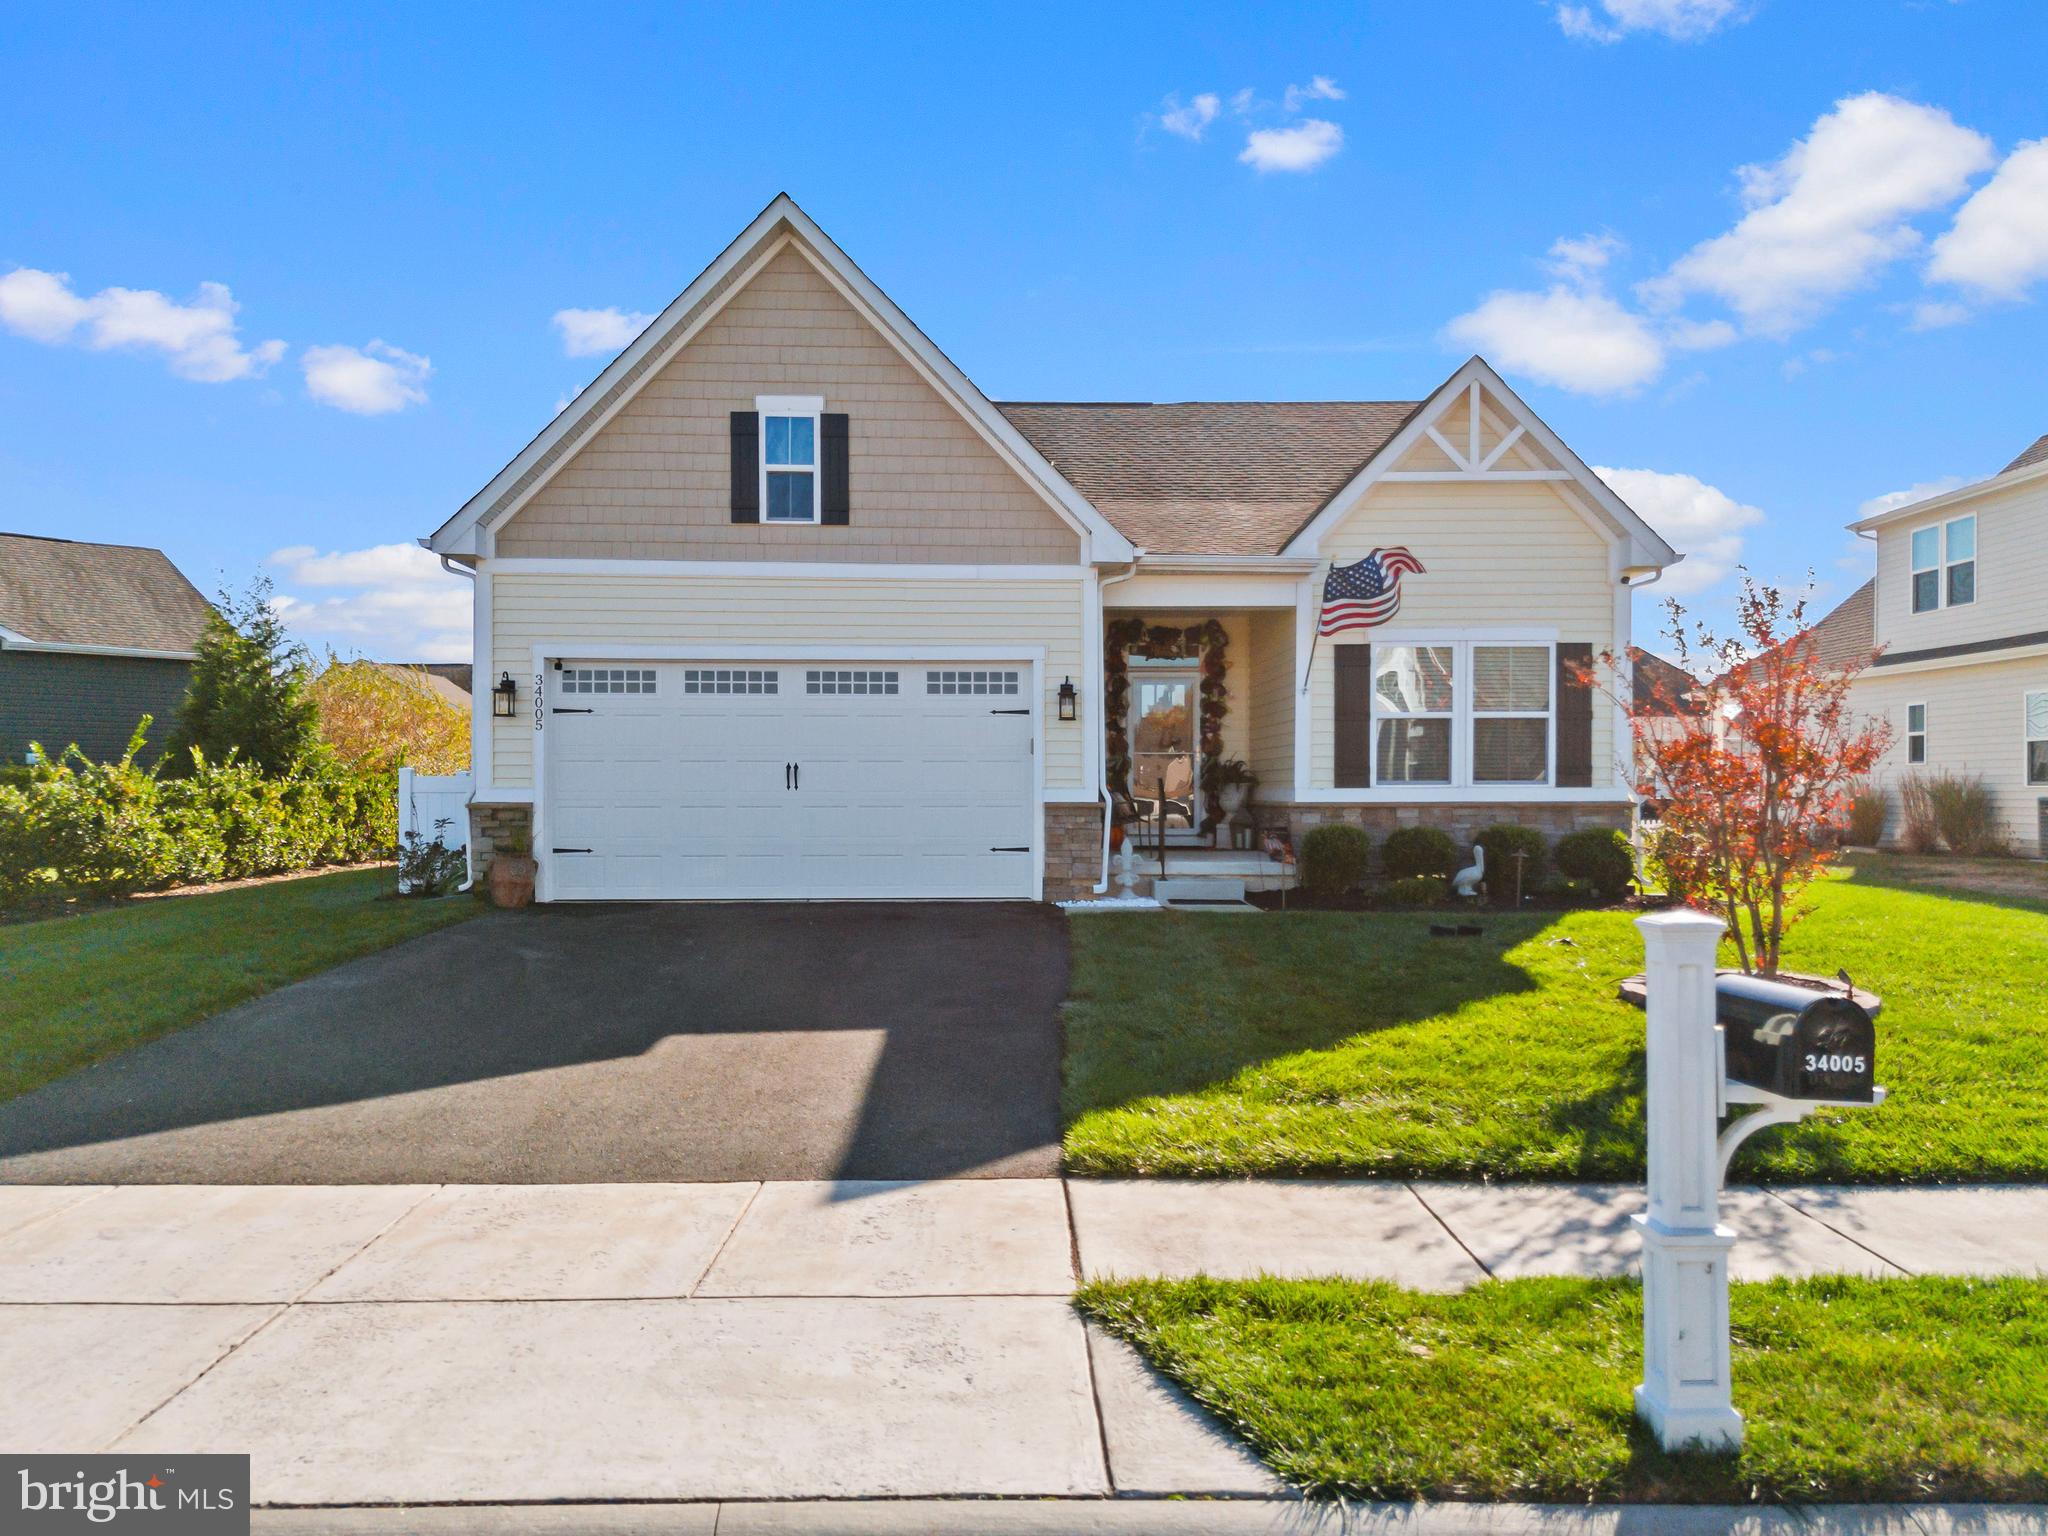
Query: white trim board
[
  {"x": 10, "y": 641},
  {"x": 1614, "y": 516},
  {"x": 801, "y": 570},
  {"x": 771, "y": 232}
]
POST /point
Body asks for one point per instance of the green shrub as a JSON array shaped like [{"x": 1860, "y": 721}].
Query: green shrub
[
  {"x": 1869, "y": 811},
  {"x": 1334, "y": 858},
  {"x": 113, "y": 828},
  {"x": 1411, "y": 851},
  {"x": 1966, "y": 814},
  {"x": 1600, "y": 858},
  {"x": 1416, "y": 891},
  {"x": 1502, "y": 841}
]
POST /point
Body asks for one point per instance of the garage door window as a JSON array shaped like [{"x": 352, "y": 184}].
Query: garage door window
[
  {"x": 607, "y": 680},
  {"x": 729, "y": 680},
  {"x": 970, "y": 682},
  {"x": 829, "y": 681}
]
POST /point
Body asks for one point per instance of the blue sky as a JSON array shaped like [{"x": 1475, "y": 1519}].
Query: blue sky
[{"x": 1792, "y": 251}]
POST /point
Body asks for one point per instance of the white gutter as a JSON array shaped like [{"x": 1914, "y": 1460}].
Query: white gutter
[
  {"x": 468, "y": 841},
  {"x": 1102, "y": 788}
]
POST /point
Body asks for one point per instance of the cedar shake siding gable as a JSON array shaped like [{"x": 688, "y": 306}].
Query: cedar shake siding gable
[{"x": 655, "y": 482}]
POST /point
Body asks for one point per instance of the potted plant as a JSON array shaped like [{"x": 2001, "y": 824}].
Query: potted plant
[
  {"x": 512, "y": 871},
  {"x": 1233, "y": 781}
]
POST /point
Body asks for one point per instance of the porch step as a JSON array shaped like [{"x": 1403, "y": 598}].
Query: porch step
[{"x": 1211, "y": 892}]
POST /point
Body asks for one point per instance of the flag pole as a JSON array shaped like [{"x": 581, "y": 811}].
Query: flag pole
[{"x": 1315, "y": 632}]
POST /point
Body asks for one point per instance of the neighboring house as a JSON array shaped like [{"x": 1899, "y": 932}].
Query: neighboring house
[
  {"x": 1958, "y": 617},
  {"x": 92, "y": 638},
  {"x": 445, "y": 680},
  {"x": 789, "y": 608}
]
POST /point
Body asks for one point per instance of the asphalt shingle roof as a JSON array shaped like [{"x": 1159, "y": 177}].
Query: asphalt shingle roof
[
  {"x": 63, "y": 593},
  {"x": 1224, "y": 477},
  {"x": 2034, "y": 454}
]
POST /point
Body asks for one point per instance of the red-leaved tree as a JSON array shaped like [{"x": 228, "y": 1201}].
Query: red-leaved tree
[{"x": 1754, "y": 769}]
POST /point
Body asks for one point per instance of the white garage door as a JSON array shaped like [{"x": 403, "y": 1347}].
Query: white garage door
[{"x": 724, "y": 780}]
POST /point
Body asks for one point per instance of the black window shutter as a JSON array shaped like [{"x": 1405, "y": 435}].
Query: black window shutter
[
  {"x": 1354, "y": 716},
  {"x": 1574, "y": 716},
  {"x": 836, "y": 466},
  {"x": 746, "y": 466}
]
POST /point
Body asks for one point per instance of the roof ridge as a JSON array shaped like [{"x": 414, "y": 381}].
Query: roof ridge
[
  {"x": 1154, "y": 404},
  {"x": 51, "y": 538}
]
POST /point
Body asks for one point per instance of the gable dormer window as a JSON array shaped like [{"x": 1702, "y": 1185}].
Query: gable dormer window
[
  {"x": 789, "y": 457},
  {"x": 1945, "y": 564}
]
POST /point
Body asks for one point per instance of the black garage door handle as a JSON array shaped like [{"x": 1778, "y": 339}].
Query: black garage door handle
[
  {"x": 1009, "y": 711},
  {"x": 574, "y": 711},
  {"x": 1009, "y": 850},
  {"x": 573, "y": 850}
]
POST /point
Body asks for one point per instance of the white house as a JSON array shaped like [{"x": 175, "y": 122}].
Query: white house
[
  {"x": 783, "y": 606},
  {"x": 1958, "y": 618}
]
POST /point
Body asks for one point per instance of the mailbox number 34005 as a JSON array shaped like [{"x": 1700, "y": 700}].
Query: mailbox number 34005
[{"x": 1834, "y": 1063}]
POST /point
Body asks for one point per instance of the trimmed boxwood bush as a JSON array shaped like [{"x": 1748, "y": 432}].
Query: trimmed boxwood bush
[
  {"x": 1416, "y": 891},
  {"x": 1413, "y": 851},
  {"x": 1502, "y": 841},
  {"x": 1333, "y": 858},
  {"x": 1599, "y": 856}
]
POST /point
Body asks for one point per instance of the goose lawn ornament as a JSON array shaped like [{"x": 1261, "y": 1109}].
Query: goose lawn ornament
[{"x": 1466, "y": 881}]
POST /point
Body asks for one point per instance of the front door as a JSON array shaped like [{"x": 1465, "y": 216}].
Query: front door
[{"x": 1165, "y": 725}]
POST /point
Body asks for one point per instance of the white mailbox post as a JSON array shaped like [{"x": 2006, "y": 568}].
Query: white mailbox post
[{"x": 1685, "y": 1394}]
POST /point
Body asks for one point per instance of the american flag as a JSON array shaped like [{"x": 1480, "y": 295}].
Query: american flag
[{"x": 1365, "y": 593}]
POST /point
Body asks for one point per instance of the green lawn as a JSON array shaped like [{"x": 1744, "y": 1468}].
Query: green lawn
[
  {"x": 1356, "y": 1044},
  {"x": 74, "y": 990},
  {"x": 1923, "y": 1389}
]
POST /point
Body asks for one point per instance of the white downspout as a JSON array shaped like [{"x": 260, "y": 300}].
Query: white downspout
[
  {"x": 469, "y": 840},
  {"x": 1102, "y": 787}
]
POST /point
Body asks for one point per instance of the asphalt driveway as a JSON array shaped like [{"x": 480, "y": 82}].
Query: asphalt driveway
[{"x": 602, "y": 1043}]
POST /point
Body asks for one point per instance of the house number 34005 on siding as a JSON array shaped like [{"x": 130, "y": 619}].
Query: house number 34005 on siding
[{"x": 540, "y": 688}]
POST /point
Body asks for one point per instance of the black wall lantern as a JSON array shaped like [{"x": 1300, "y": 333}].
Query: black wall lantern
[
  {"x": 1068, "y": 699},
  {"x": 505, "y": 696}
]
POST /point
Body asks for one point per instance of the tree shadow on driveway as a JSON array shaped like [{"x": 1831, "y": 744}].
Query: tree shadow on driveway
[{"x": 602, "y": 1043}]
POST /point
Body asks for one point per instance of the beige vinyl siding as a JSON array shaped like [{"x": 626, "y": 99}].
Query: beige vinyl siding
[
  {"x": 1975, "y": 726},
  {"x": 591, "y": 613},
  {"x": 1495, "y": 557},
  {"x": 2012, "y": 574},
  {"x": 1272, "y": 684},
  {"x": 654, "y": 482}
]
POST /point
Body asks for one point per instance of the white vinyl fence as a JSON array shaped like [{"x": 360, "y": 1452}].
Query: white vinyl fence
[{"x": 427, "y": 800}]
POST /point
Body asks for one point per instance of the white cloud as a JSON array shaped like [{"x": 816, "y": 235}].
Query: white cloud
[
  {"x": 1684, "y": 20},
  {"x": 1580, "y": 259},
  {"x": 392, "y": 602},
  {"x": 1998, "y": 246},
  {"x": 1698, "y": 335},
  {"x": 1320, "y": 88},
  {"x": 1701, "y": 521},
  {"x": 1577, "y": 338},
  {"x": 1831, "y": 213},
  {"x": 1891, "y": 501},
  {"x": 370, "y": 381},
  {"x": 1190, "y": 121},
  {"x": 592, "y": 332},
  {"x": 1934, "y": 314},
  {"x": 197, "y": 339},
  {"x": 1301, "y": 148}
]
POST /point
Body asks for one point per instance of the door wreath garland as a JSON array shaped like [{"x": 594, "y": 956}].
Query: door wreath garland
[{"x": 1207, "y": 640}]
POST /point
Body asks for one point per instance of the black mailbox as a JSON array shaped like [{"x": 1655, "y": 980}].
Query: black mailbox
[{"x": 1796, "y": 1042}]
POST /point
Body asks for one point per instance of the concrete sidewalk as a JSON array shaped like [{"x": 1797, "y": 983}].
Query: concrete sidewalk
[{"x": 483, "y": 1344}]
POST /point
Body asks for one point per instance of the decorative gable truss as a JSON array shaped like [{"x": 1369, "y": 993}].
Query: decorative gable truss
[{"x": 1475, "y": 428}]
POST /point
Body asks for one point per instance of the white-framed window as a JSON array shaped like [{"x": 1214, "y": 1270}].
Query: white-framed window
[
  {"x": 1464, "y": 712},
  {"x": 1944, "y": 561},
  {"x": 2036, "y": 728},
  {"x": 607, "y": 679},
  {"x": 977, "y": 680},
  {"x": 1916, "y": 733},
  {"x": 846, "y": 680},
  {"x": 1414, "y": 713},
  {"x": 1511, "y": 716},
  {"x": 790, "y": 430}
]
